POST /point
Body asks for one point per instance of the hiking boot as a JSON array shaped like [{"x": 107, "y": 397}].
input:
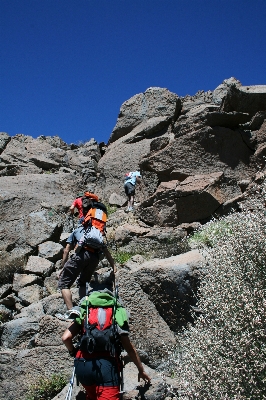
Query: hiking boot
[
  {"x": 130, "y": 209},
  {"x": 63, "y": 317},
  {"x": 70, "y": 315}
]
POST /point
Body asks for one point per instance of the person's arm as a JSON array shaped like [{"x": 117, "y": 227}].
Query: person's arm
[
  {"x": 71, "y": 209},
  {"x": 65, "y": 254},
  {"x": 109, "y": 258},
  {"x": 69, "y": 335},
  {"x": 131, "y": 351}
]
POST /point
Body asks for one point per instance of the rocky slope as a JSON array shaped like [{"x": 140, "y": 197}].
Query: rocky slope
[{"x": 199, "y": 156}]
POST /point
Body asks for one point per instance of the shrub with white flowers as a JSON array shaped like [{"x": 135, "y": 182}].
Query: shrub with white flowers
[{"x": 223, "y": 354}]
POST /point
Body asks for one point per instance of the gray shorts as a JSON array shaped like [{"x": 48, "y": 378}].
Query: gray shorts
[
  {"x": 129, "y": 189},
  {"x": 84, "y": 264}
]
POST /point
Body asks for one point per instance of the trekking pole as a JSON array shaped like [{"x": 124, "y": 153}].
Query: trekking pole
[
  {"x": 121, "y": 383},
  {"x": 71, "y": 383}
]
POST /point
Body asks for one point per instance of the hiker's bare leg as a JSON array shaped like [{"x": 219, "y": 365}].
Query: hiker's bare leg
[
  {"x": 131, "y": 201},
  {"x": 67, "y": 296}
]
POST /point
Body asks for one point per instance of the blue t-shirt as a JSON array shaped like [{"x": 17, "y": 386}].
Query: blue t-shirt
[
  {"x": 132, "y": 177},
  {"x": 76, "y": 235}
]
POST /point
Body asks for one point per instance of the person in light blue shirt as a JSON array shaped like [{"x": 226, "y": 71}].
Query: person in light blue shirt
[{"x": 131, "y": 179}]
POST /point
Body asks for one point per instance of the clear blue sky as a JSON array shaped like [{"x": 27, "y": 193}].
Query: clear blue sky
[{"x": 68, "y": 65}]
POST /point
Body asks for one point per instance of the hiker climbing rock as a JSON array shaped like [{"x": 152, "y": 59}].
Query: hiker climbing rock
[
  {"x": 131, "y": 178},
  {"x": 103, "y": 326},
  {"x": 77, "y": 203},
  {"x": 88, "y": 242}
]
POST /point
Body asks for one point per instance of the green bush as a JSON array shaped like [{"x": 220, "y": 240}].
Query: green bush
[
  {"x": 111, "y": 209},
  {"x": 223, "y": 354},
  {"x": 121, "y": 257},
  {"x": 46, "y": 388}
]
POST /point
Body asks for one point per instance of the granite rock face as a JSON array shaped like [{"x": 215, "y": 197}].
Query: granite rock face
[
  {"x": 143, "y": 107},
  {"x": 198, "y": 156},
  {"x": 211, "y": 132}
]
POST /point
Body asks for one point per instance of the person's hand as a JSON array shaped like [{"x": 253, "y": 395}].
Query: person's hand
[
  {"x": 144, "y": 376},
  {"x": 73, "y": 352}
]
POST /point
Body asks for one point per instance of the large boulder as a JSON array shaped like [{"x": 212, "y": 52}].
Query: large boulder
[
  {"x": 38, "y": 266},
  {"x": 22, "y": 280},
  {"x": 171, "y": 285},
  {"x": 50, "y": 250},
  {"x": 149, "y": 331},
  {"x": 33, "y": 211},
  {"x": 154, "y": 102},
  {"x": 22, "y": 368},
  {"x": 142, "y": 118},
  {"x": 30, "y": 294},
  {"x": 19, "y": 332},
  {"x": 208, "y": 150},
  {"x": 248, "y": 99},
  {"x": 50, "y": 331},
  {"x": 196, "y": 198}
]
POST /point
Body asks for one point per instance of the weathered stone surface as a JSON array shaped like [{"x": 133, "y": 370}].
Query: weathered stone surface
[
  {"x": 20, "y": 369},
  {"x": 4, "y": 139},
  {"x": 9, "y": 300},
  {"x": 125, "y": 233},
  {"x": 12, "y": 261},
  {"x": 33, "y": 311},
  {"x": 39, "y": 228},
  {"x": 159, "y": 388},
  {"x": 171, "y": 284},
  {"x": 117, "y": 200},
  {"x": 50, "y": 332},
  {"x": 221, "y": 91},
  {"x": 19, "y": 332},
  {"x": 22, "y": 280},
  {"x": 149, "y": 332},
  {"x": 120, "y": 158},
  {"x": 39, "y": 266},
  {"x": 30, "y": 294},
  {"x": 154, "y": 102},
  {"x": 50, "y": 250},
  {"x": 194, "y": 199},
  {"x": 51, "y": 282},
  {"x": 195, "y": 158},
  {"x": 24, "y": 196},
  {"x": 54, "y": 304},
  {"x": 159, "y": 143},
  {"x": 200, "y": 196},
  {"x": 63, "y": 238},
  {"x": 133, "y": 236},
  {"x": 147, "y": 128},
  {"x": 227, "y": 120},
  {"x": 204, "y": 151},
  {"x": 5, "y": 313},
  {"x": 5, "y": 290},
  {"x": 247, "y": 99}
]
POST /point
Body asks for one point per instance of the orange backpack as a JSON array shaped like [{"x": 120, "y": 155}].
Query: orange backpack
[{"x": 94, "y": 226}]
